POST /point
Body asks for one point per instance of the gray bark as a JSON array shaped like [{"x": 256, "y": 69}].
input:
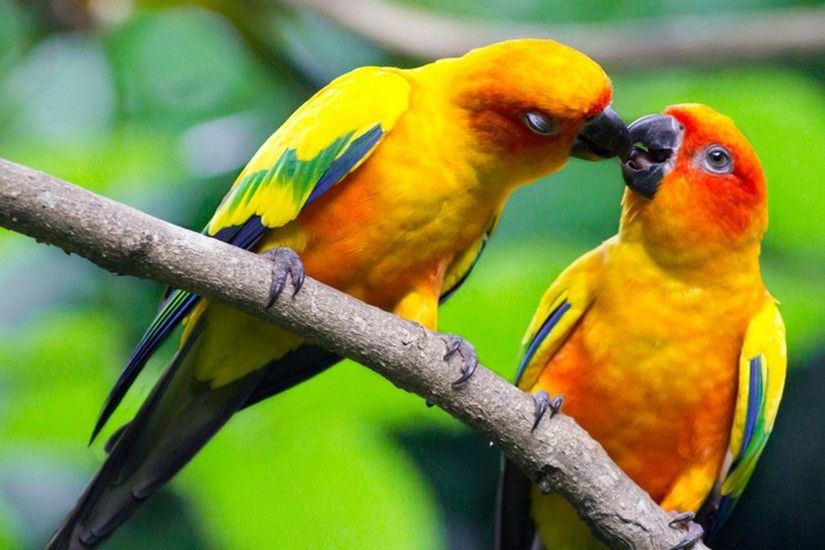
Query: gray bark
[{"x": 559, "y": 455}]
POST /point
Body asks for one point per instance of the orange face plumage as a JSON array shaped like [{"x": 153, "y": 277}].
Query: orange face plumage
[
  {"x": 694, "y": 179},
  {"x": 534, "y": 99}
]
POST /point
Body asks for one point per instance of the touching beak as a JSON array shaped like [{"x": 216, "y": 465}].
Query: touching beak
[
  {"x": 602, "y": 137},
  {"x": 655, "y": 140}
]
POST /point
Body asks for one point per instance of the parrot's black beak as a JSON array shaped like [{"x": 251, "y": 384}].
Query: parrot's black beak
[
  {"x": 602, "y": 137},
  {"x": 655, "y": 140}
]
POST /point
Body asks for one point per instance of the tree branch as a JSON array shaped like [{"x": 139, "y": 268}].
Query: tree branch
[
  {"x": 707, "y": 40},
  {"x": 559, "y": 455}
]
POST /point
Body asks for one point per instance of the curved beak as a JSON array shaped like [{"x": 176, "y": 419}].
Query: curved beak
[
  {"x": 655, "y": 138},
  {"x": 602, "y": 137}
]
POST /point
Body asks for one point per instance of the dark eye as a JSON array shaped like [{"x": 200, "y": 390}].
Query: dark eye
[
  {"x": 539, "y": 123},
  {"x": 717, "y": 160}
]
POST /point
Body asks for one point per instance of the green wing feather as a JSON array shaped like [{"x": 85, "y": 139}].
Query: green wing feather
[
  {"x": 329, "y": 136},
  {"x": 762, "y": 367},
  {"x": 560, "y": 309},
  {"x": 323, "y": 141}
]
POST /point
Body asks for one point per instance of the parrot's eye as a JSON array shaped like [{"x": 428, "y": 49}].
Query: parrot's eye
[
  {"x": 539, "y": 123},
  {"x": 717, "y": 160}
]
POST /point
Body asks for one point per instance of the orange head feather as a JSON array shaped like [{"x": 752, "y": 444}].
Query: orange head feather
[
  {"x": 524, "y": 102},
  {"x": 696, "y": 186}
]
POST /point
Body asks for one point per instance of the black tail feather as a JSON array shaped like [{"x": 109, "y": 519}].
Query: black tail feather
[
  {"x": 176, "y": 420},
  {"x": 514, "y": 528},
  {"x": 290, "y": 370}
]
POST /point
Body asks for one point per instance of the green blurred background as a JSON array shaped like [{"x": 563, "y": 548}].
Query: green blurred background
[{"x": 159, "y": 104}]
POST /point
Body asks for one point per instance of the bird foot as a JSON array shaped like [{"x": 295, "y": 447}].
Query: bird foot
[
  {"x": 684, "y": 520},
  {"x": 285, "y": 263},
  {"x": 543, "y": 401},
  {"x": 465, "y": 350}
]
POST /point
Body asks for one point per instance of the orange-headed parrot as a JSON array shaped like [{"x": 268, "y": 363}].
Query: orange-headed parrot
[
  {"x": 385, "y": 185},
  {"x": 663, "y": 341}
]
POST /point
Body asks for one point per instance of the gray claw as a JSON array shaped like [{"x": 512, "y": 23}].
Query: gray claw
[
  {"x": 680, "y": 519},
  {"x": 694, "y": 530},
  {"x": 285, "y": 263},
  {"x": 543, "y": 402},
  {"x": 469, "y": 357}
]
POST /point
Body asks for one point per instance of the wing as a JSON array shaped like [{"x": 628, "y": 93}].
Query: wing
[
  {"x": 460, "y": 269},
  {"x": 762, "y": 366},
  {"x": 324, "y": 140},
  {"x": 560, "y": 309}
]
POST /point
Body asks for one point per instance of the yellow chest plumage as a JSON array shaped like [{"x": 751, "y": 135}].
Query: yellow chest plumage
[{"x": 651, "y": 370}]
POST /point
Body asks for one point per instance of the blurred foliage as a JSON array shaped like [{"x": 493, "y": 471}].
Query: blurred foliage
[
  {"x": 160, "y": 106},
  {"x": 585, "y": 11}
]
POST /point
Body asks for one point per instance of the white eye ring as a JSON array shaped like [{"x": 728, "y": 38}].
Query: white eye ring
[
  {"x": 539, "y": 123},
  {"x": 716, "y": 160}
]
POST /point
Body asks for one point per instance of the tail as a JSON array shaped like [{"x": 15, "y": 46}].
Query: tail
[
  {"x": 528, "y": 520},
  {"x": 514, "y": 527},
  {"x": 173, "y": 424},
  {"x": 176, "y": 420}
]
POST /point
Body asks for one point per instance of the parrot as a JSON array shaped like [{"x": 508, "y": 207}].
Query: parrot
[
  {"x": 386, "y": 185},
  {"x": 663, "y": 342}
]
